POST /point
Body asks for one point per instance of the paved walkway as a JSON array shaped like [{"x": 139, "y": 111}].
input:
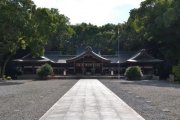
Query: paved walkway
[{"x": 89, "y": 99}]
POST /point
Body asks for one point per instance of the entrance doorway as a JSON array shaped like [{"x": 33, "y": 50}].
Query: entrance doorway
[{"x": 88, "y": 68}]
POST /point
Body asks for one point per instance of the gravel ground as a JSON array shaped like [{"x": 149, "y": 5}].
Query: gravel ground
[
  {"x": 29, "y": 100},
  {"x": 154, "y": 100}
]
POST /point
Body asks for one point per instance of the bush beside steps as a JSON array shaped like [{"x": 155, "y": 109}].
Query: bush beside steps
[
  {"x": 44, "y": 71},
  {"x": 133, "y": 73}
]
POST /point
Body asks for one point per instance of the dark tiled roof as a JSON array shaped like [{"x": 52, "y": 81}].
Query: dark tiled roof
[
  {"x": 80, "y": 50},
  {"x": 143, "y": 56},
  {"x": 88, "y": 51},
  {"x": 121, "y": 58},
  {"x": 124, "y": 56},
  {"x": 30, "y": 58},
  {"x": 58, "y": 58}
]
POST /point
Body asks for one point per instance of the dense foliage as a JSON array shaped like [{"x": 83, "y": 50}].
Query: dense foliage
[
  {"x": 44, "y": 71},
  {"x": 133, "y": 73},
  {"x": 176, "y": 72},
  {"x": 23, "y": 26},
  {"x": 155, "y": 26}
]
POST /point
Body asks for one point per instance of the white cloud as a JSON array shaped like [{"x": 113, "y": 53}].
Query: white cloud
[{"x": 97, "y": 12}]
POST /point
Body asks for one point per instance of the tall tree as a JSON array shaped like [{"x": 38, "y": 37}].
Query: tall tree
[
  {"x": 157, "y": 24},
  {"x": 62, "y": 32},
  {"x": 13, "y": 21}
]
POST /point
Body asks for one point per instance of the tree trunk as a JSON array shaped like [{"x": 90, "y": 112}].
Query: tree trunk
[{"x": 4, "y": 66}]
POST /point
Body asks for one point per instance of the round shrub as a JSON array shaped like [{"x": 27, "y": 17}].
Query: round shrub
[
  {"x": 44, "y": 71},
  {"x": 133, "y": 73},
  {"x": 8, "y": 78},
  {"x": 176, "y": 72}
]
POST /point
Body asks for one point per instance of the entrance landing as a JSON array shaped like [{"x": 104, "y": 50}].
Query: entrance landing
[{"x": 89, "y": 99}]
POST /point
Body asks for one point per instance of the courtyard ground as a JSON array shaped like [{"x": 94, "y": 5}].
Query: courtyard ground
[
  {"x": 153, "y": 99},
  {"x": 29, "y": 100}
]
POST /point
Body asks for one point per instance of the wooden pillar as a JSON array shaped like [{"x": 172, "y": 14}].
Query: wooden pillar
[
  {"x": 33, "y": 69},
  {"x": 102, "y": 68},
  {"x": 93, "y": 69},
  {"x": 143, "y": 70},
  {"x": 74, "y": 67},
  {"x": 83, "y": 69},
  {"x": 57, "y": 66}
]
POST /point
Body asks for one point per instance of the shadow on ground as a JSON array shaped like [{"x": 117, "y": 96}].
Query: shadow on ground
[
  {"x": 10, "y": 83},
  {"x": 157, "y": 83}
]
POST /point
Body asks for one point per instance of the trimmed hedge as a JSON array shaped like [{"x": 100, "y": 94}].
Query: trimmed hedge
[
  {"x": 44, "y": 71},
  {"x": 133, "y": 73},
  {"x": 176, "y": 72}
]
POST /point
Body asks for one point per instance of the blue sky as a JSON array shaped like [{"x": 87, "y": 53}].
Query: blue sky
[{"x": 97, "y": 12}]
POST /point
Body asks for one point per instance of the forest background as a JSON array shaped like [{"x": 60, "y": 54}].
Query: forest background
[{"x": 154, "y": 26}]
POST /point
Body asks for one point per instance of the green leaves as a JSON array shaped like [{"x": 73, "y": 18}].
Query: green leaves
[
  {"x": 44, "y": 71},
  {"x": 133, "y": 73},
  {"x": 23, "y": 42},
  {"x": 13, "y": 22},
  {"x": 169, "y": 17},
  {"x": 156, "y": 22}
]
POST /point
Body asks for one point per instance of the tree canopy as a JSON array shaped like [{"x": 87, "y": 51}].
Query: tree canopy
[
  {"x": 155, "y": 26},
  {"x": 23, "y": 26}
]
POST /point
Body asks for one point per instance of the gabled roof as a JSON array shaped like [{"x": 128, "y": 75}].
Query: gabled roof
[
  {"x": 144, "y": 57},
  {"x": 121, "y": 58},
  {"x": 90, "y": 52},
  {"x": 30, "y": 58},
  {"x": 57, "y": 57}
]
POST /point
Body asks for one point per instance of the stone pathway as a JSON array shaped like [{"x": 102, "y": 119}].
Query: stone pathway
[{"x": 89, "y": 99}]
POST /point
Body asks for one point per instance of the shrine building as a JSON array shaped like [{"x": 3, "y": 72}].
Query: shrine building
[{"x": 89, "y": 63}]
